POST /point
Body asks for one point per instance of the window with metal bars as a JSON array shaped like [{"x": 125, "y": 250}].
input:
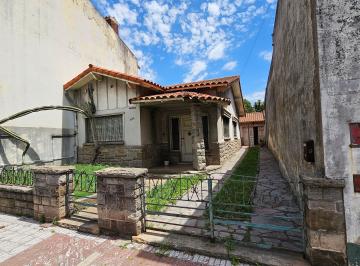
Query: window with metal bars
[{"x": 107, "y": 129}]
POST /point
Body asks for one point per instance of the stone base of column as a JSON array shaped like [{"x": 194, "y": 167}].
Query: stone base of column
[
  {"x": 325, "y": 233},
  {"x": 119, "y": 198},
  {"x": 50, "y": 191}
]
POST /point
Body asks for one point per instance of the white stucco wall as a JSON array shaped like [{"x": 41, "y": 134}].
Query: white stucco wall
[
  {"x": 111, "y": 97},
  {"x": 43, "y": 45}
]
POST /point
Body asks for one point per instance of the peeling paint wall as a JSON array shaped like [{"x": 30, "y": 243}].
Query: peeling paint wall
[
  {"x": 338, "y": 26},
  {"x": 45, "y": 44},
  {"x": 293, "y": 113}
]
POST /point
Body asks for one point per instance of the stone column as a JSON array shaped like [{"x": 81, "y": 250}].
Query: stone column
[
  {"x": 325, "y": 237},
  {"x": 120, "y": 200},
  {"x": 50, "y": 191},
  {"x": 198, "y": 146}
]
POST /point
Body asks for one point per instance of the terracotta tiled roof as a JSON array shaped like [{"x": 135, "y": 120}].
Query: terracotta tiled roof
[
  {"x": 99, "y": 70},
  {"x": 202, "y": 84},
  {"x": 252, "y": 117},
  {"x": 180, "y": 95}
]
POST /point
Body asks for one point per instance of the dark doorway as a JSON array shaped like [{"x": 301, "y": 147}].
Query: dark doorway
[
  {"x": 256, "y": 136},
  {"x": 205, "y": 124}
]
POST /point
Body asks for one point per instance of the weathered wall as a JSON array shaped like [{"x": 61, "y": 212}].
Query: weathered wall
[
  {"x": 292, "y": 96},
  {"x": 247, "y": 133},
  {"x": 338, "y": 26},
  {"x": 16, "y": 200},
  {"x": 45, "y": 44}
]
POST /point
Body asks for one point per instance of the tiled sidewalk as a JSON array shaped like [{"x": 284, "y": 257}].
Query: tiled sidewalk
[{"x": 25, "y": 242}]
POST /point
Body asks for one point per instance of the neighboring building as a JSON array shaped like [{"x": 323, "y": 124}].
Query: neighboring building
[
  {"x": 43, "y": 43},
  {"x": 252, "y": 127},
  {"x": 313, "y": 119},
  {"x": 142, "y": 124}
]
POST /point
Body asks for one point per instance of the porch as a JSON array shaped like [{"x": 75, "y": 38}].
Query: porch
[{"x": 183, "y": 133}]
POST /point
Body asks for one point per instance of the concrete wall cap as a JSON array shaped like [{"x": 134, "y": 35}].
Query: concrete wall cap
[
  {"x": 52, "y": 169},
  {"x": 121, "y": 172},
  {"x": 19, "y": 189},
  {"x": 322, "y": 182}
]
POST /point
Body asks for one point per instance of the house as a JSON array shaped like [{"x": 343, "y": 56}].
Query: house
[
  {"x": 252, "y": 127},
  {"x": 43, "y": 44},
  {"x": 140, "y": 123},
  {"x": 313, "y": 120}
]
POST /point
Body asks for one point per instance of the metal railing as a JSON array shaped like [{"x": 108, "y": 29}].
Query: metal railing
[
  {"x": 11, "y": 175},
  {"x": 218, "y": 206}
]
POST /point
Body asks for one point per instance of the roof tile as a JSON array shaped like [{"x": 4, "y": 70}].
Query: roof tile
[{"x": 252, "y": 117}]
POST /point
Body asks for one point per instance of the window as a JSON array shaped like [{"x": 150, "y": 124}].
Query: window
[
  {"x": 205, "y": 124},
  {"x": 355, "y": 134},
  {"x": 107, "y": 129},
  {"x": 235, "y": 129},
  {"x": 175, "y": 134},
  {"x": 226, "y": 125}
]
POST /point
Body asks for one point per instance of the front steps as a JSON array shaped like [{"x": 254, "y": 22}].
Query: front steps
[{"x": 85, "y": 221}]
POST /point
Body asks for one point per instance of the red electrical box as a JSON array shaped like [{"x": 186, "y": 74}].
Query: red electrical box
[
  {"x": 355, "y": 134},
  {"x": 357, "y": 183}
]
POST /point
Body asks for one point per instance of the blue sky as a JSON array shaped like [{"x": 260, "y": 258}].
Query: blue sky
[{"x": 181, "y": 41}]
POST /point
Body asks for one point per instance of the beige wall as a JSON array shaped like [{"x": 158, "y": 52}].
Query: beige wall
[
  {"x": 45, "y": 44},
  {"x": 247, "y": 133}
]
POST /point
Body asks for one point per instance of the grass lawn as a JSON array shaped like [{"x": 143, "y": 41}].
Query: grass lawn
[
  {"x": 170, "y": 191},
  {"x": 85, "y": 179},
  {"x": 234, "y": 199}
]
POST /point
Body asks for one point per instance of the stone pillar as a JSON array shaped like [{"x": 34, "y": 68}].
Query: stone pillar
[
  {"x": 50, "y": 191},
  {"x": 198, "y": 146},
  {"x": 325, "y": 237},
  {"x": 120, "y": 200}
]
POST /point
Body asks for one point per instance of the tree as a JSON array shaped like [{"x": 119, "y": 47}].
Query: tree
[
  {"x": 248, "y": 107},
  {"x": 259, "y": 106}
]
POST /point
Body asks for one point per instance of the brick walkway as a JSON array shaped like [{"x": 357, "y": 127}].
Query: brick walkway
[{"x": 25, "y": 242}]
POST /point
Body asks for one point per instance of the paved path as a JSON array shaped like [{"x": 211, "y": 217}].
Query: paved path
[
  {"x": 192, "y": 204},
  {"x": 276, "y": 220},
  {"x": 275, "y": 205},
  {"x": 25, "y": 242}
]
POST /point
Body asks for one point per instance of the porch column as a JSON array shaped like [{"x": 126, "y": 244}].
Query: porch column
[{"x": 198, "y": 146}]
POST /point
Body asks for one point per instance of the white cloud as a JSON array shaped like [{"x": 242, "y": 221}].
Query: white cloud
[
  {"x": 229, "y": 66},
  {"x": 249, "y": 2},
  {"x": 256, "y": 95},
  {"x": 123, "y": 14},
  {"x": 270, "y": 1},
  {"x": 217, "y": 52},
  {"x": 214, "y": 9},
  {"x": 266, "y": 55},
  {"x": 197, "y": 71},
  {"x": 135, "y": 2}
]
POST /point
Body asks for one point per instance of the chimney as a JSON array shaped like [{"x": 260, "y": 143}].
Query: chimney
[{"x": 113, "y": 23}]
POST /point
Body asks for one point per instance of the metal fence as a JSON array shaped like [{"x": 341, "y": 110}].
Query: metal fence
[
  {"x": 12, "y": 175},
  {"x": 219, "y": 206}
]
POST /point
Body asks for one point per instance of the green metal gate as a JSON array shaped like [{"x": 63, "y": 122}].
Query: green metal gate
[{"x": 220, "y": 207}]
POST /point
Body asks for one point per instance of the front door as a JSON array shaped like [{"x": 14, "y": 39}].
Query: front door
[{"x": 186, "y": 139}]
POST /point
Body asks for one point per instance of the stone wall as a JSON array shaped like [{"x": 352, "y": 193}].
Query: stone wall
[
  {"x": 325, "y": 221},
  {"x": 228, "y": 148},
  {"x": 122, "y": 155},
  {"x": 293, "y": 113},
  {"x": 16, "y": 200}
]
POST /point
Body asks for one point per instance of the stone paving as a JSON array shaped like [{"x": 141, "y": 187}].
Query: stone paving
[
  {"x": 194, "y": 223},
  {"x": 276, "y": 219},
  {"x": 25, "y": 242},
  {"x": 275, "y": 205}
]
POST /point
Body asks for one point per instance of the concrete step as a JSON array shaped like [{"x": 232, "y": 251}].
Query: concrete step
[
  {"x": 218, "y": 249},
  {"x": 85, "y": 221}
]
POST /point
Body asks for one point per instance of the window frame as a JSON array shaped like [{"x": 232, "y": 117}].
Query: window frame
[
  {"x": 226, "y": 136},
  {"x": 353, "y": 144},
  {"x": 235, "y": 131},
  {"x": 122, "y": 114}
]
